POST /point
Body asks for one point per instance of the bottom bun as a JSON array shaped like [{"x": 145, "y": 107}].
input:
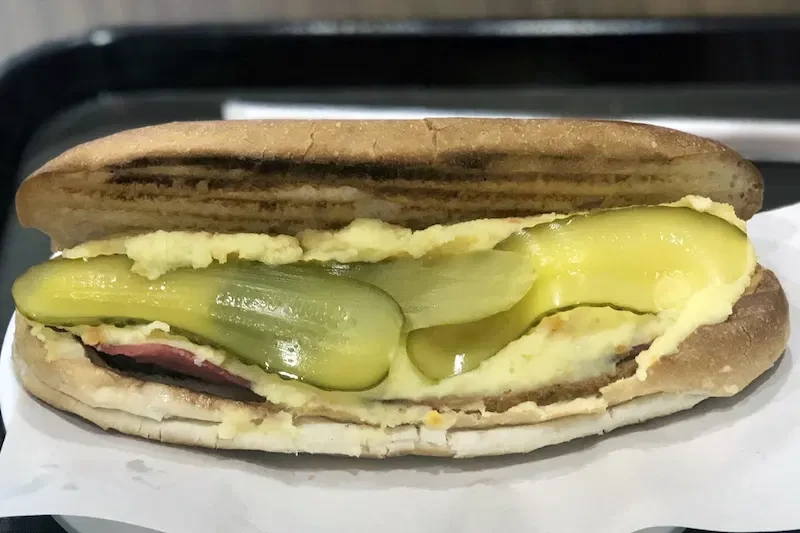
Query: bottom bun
[
  {"x": 336, "y": 438},
  {"x": 740, "y": 349}
]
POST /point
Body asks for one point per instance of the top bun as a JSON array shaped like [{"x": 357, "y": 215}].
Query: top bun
[{"x": 288, "y": 175}]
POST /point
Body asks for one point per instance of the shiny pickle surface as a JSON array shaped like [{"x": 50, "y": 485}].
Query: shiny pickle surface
[
  {"x": 331, "y": 332},
  {"x": 450, "y": 289},
  {"x": 642, "y": 259}
]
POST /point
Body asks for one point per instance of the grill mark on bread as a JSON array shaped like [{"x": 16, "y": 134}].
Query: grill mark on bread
[
  {"x": 523, "y": 197},
  {"x": 385, "y": 166},
  {"x": 159, "y": 180},
  {"x": 529, "y": 182},
  {"x": 527, "y": 193},
  {"x": 406, "y": 207},
  {"x": 462, "y": 201},
  {"x": 280, "y": 167},
  {"x": 290, "y": 221}
]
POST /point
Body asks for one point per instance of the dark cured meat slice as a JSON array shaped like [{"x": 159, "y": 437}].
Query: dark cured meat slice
[
  {"x": 176, "y": 360},
  {"x": 128, "y": 366}
]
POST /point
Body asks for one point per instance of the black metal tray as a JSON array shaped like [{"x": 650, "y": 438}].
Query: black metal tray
[{"x": 116, "y": 78}]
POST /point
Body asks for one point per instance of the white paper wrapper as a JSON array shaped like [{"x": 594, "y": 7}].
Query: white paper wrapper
[{"x": 727, "y": 464}]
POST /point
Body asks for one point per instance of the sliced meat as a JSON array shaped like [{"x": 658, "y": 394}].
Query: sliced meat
[
  {"x": 176, "y": 360},
  {"x": 149, "y": 367}
]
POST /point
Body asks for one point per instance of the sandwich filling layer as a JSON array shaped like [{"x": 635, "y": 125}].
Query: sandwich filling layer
[{"x": 488, "y": 315}]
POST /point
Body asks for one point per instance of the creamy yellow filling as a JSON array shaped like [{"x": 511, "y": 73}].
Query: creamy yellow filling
[
  {"x": 573, "y": 345},
  {"x": 363, "y": 240}
]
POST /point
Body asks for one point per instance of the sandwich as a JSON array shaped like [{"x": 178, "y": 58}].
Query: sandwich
[{"x": 450, "y": 287}]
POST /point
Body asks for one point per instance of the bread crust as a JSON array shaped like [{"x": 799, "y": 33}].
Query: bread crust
[
  {"x": 716, "y": 360},
  {"x": 288, "y": 176}
]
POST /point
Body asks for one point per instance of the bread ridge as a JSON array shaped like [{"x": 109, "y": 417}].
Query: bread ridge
[
  {"x": 716, "y": 360},
  {"x": 286, "y": 176}
]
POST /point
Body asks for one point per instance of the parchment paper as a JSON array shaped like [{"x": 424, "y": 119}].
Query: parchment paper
[{"x": 729, "y": 464}]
